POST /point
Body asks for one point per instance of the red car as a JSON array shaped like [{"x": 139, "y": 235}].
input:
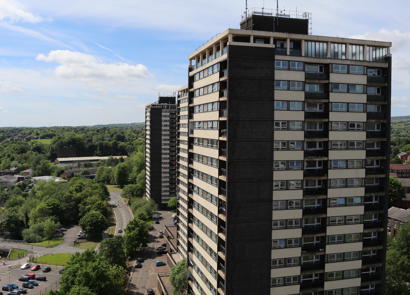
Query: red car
[
  {"x": 31, "y": 275},
  {"x": 36, "y": 267}
]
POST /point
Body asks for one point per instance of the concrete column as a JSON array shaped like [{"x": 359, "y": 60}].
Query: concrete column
[
  {"x": 365, "y": 55},
  {"x": 328, "y": 50},
  {"x": 252, "y": 40},
  {"x": 288, "y": 46},
  {"x": 347, "y": 51},
  {"x": 271, "y": 40},
  {"x": 302, "y": 47}
]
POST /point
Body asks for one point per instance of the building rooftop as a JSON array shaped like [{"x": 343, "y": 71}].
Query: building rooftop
[
  {"x": 402, "y": 215},
  {"x": 75, "y": 159},
  {"x": 399, "y": 166}
]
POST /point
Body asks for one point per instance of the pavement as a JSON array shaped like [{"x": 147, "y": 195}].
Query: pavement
[
  {"x": 146, "y": 277},
  {"x": 122, "y": 212}
]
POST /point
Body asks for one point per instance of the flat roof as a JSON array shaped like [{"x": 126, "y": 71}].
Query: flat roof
[{"x": 74, "y": 159}]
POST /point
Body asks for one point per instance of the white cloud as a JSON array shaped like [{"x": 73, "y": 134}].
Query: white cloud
[
  {"x": 1, "y": 109},
  {"x": 397, "y": 100},
  {"x": 164, "y": 89},
  {"x": 14, "y": 11},
  {"x": 77, "y": 65},
  {"x": 7, "y": 87}
]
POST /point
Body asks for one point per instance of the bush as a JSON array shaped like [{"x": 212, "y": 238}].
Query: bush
[{"x": 41, "y": 231}]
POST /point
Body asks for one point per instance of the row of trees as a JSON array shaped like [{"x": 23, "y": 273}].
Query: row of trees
[{"x": 34, "y": 214}]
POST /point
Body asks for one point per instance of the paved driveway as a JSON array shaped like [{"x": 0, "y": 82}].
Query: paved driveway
[
  {"x": 122, "y": 212},
  {"x": 146, "y": 277}
]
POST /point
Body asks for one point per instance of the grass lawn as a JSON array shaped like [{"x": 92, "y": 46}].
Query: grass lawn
[
  {"x": 49, "y": 243},
  {"x": 17, "y": 253},
  {"x": 114, "y": 188},
  {"x": 43, "y": 141},
  {"x": 54, "y": 259},
  {"x": 86, "y": 245}
]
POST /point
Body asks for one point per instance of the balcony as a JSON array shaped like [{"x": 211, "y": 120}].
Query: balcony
[
  {"x": 375, "y": 171},
  {"x": 376, "y": 134},
  {"x": 317, "y": 134},
  {"x": 376, "y": 259},
  {"x": 313, "y": 248},
  {"x": 314, "y": 284},
  {"x": 314, "y": 229},
  {"x": 375, "y": 276},
  {"x": 312, "y": 266},
  {"x": 373, "y": 207},
  {"x": 223, "y": 93},
  {"x": 223, "y": 133},
  {"x": 315, "y": 191},
  {"x": 374, "y": 189},
  {"x": 372, "y": 243},
  {"x": 222, "y": 191},
  {"x": 376, "y": 98},
  {"x": 376, "y": 153},
  {"x": 376, "y": 116},
  {"x": 316, "y": 95},
  {"x": 295, "y": 52},
  {"x": 315, "y": 172},
  {"x": 222, "y": 152},
  {"x": 314, "y": 210},
  {"x": 316, "y": 115},
  {"x": 317, "y": 76},
  {"x": 376, "y": 80},
  {"x": 222, "y": 171},
  {"x": 373, "y": 224},
  {"x": 223, "y": 113},
  {"x": 281, "y": 51},
  {"x": 316, "y": 153}
]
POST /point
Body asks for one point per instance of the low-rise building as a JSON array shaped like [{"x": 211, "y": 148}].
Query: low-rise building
[
  {"x": 81, "y": 160},
  {"x": 396, "y": 217},
  {"x": 400, "y": 170}
]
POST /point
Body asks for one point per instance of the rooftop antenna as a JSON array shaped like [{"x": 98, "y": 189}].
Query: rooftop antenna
[
  {"x": 246, "y": 8},
  {"x": 277, "y": 7}
]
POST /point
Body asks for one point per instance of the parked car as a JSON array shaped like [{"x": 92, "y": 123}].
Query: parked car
[
  {"x": 157, "y": 221},
  {"x": 36, "y": 267},
  {"x": 15, "y": 292},
  {"x": 163, "y": 245},
  {"x": 119, "y": 231},
  {"x": 31, "y": 275},
  {"x": 46, "y": 269},
  {"x": 138, "y": 264},
  {"x": 41, "y": 279},
  {"x": 25, "y": 266},
  {"x": 150, "y": 292},
  {"x": 28, "y": 285},
  {"x": 35, "y": 283},
  {"x": 9, "y": 287},
  {"x": 161, "y": 235},
  {"x": 159, "y": 263},
  {"x": 24, "y": 279},
  {"x": 140, "y": 259},
  {"x": 151, "y": 228}
]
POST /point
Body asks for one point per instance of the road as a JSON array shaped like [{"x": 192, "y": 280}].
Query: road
[
  {"x": 122, "y": 212},
  {"x": 146, "y": 277}
]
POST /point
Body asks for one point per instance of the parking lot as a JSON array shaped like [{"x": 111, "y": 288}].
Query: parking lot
[
  {"x": 146, "y": 277},
  {"x": 11, "y": 274}
]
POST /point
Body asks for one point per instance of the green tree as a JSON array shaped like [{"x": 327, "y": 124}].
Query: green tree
[
  {"x": 172, "y": 203},
  {"x": 396, "y": 191},
  {"x": 121, "y": 174},
  {"x": 81, "y": 290},
  {"x": 179, "y": 277},
  {"x": 112, "y": 249},
  {"x": 135, "y": 237},
  {"x": 93, "y": 223},
  {"x": 398, "y": 263},
  {"x": 90, "y": 270}
]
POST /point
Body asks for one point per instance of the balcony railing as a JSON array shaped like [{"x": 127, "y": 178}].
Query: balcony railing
[
  {"x": 373, "y": 224},
  {"x": 377, "y": 79},
  {"x": 374, "y": 171},
  {"x": 316, "y": 153},
  {"x": 371, "y": 259},
  {"x": 374, "y": 189},
  {"x": 316, "y": 134},
  {"x": 376, "y": 153},
  {"x": 315, "y": 172},
  {"x": 371, "y": 276},
  {"x": 316, "y": 95},
  {"x": 313, "y": 248},
  {"x": 315, "y": 191},
  {"x": 314, "y": 229},
  {"x": 317, "y": 76},
  {"x": 376, "y": 116},
  {"x": 223, "y": 132},
  {"x": 223, "y": 113},
  {"x": 222, "y": 171},
  {"x": 314, "y": 210},
  {"x": 223, "y": 93},
  {"x": 314, "y": 284},
  {"x": 313, "y": 266},
  {"x": 222, "y": 191},
  {"x": 316, "y": 115},
  {"x": 376, "y": 98},
  {"x": 376, "y": 134},
  {"x": 373, "y": 207},
  {"x": 222, "y": 152}
]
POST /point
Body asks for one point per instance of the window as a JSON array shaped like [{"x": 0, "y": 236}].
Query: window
[
  {"x": 357, "y": 70},
  {"x": 316, "y": 49},
  {"x": 294, "y": 204},
  {"x": 356, "y": 107},
  {"x": 280, "y": 205},
  {"x": 281, "y": 105},
  {"x": 279, "y": 185},
  {"x": 338, "y": 164},
  {"x": 280, "y": 145},
  {"x": 375, "y": 127},
  {"x": 295, "y": 145},
  {"x": 313, "y": 183},
  {"x": 338, "y": 51},
  {"x": 356, "y": 52},
  {"x": 308, "y": 259},
  {"x": 338, "y": 87},
  {"x": 295, "y": 105},
  {"x": 353, "y": 238},
  {"x": 350, "y": 274},
  {"x": 314, "y": 126},
  {"x": 336, "y": 220},
  {"x": 278, "y": 244},
  {"x": 296, "y": 65},
  {"x": 339, "y": 126},
  {"x": 340, "y": 69},
  {"x": 311, "y": 68},
  {"x": 356, "y": 88},
  {"x": 281, "y": 85},
  {"x": 294, "y": 165},
  {"x": 314, "y": 203},
  {"x": 355, "y": 164},
  {"x": 356, "y": 126},
  {"x": 293, "y": 223},
  {"x": 376, "y": 53},
  {"x": 374, "y": 108},
  {"x": 314, "y": 164},
  {"x": 373, "y": 145},
  {"x": 294, "y": 184},
  {"x": 295, "y": 125},
  {"x": 296, "y": 85},
  {"x": 372, "y": 163},
  {"x": 374, "y": 91},
  {"x": 315, "y": 107},
  {"x": 278, "y": 224},
  {"x": 355, "y": 145},
  {"x": 279, "y": 165},
  {"x": 314, "y": 88},
  {"x": 339, "y": 107},
  {"x": 354, "y": 219},
  {"x": 338, "y": 182},
  {"x": 349, "y": 256},
  {"x": 281, "y": 64},
  {"x": 374, "y": 72},
  {"x": 281, "y": 125},
  {"x": 314, "y": 145},
  {"x": 354, "y": 182},
  {"x": 335, "y": 239}
]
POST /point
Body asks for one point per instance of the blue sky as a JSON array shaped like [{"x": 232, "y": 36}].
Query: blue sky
[{"x": 97, "y": 62}]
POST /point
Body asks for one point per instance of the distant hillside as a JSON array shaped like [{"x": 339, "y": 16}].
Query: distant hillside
[{"x": 399, "y": 118}]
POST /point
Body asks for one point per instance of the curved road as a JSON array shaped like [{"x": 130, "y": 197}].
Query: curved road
[{"x": 122, "y": 212}]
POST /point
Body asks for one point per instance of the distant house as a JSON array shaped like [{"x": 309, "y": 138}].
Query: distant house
[
  {"x": 26, "y": 172},
  {"x": 84, "y": 172},
  {"x": 404, "y": 156},
  {"x": 10, "y": 180},
  {"x": 80, "y": 160},
  {"x": 400, "y": 170},
  {"x": 396, "y": 217},
  {"x": 48, "y": 178}
]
